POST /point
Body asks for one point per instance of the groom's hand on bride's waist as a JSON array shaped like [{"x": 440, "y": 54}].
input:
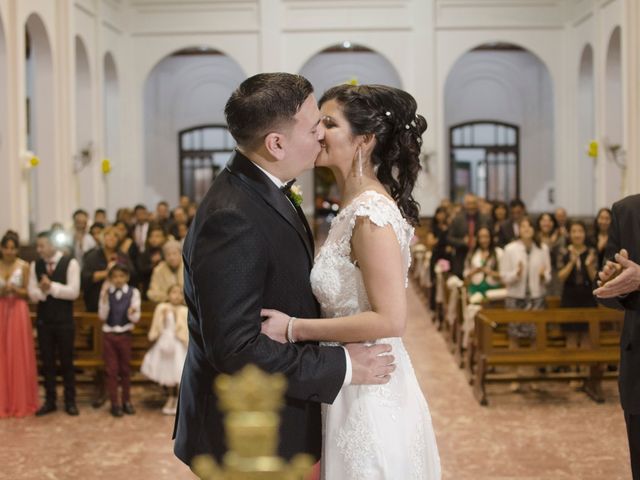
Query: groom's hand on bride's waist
[{"x": 371, "y": 365}]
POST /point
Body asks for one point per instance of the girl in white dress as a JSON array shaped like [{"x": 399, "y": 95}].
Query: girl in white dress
[
  {"x": 164, "y": 361},
  {"x": 372, "y": 144}
]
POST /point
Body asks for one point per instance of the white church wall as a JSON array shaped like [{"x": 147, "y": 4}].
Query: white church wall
[{"x": 8, "y": 167}]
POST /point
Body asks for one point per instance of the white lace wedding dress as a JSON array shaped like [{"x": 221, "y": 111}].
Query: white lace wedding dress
[{"x": 382, "y": 431}]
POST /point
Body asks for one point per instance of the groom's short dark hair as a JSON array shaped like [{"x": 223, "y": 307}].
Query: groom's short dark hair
[{"x": 263, "y": 103}]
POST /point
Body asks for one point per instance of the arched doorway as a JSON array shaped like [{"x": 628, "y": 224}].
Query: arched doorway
[
  {"x": 335, "y": 65},
  {"x": 505, "y": 85},
  {"x": 613, "y": 125},
  {"x": 585, "y": 102},
  {"x": 40, "y": 122},
  {"x": 186, "y": 89},
  {"x": 111, "y": 120},
  {"x": 83, "y": 161}
]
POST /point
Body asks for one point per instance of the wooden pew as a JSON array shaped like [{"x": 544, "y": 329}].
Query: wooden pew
[{"x": 492, "y": 345}]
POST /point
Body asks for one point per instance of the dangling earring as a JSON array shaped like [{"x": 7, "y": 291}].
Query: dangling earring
[{"x": 359, "y": 161}]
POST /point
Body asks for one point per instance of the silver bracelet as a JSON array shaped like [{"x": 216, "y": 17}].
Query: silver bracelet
[{"x": 290, "y": 338}]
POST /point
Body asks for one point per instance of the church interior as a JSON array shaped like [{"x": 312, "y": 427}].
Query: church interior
[{"x": 112, "y": 125}]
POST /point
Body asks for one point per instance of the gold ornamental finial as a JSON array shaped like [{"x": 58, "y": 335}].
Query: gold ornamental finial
[{"x": 252, "y": 400}]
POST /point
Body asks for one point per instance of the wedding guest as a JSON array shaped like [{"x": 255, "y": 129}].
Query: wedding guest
[
  {"x": 125, "y": 215},
  {"x": 100, "y": 216},
  {"x": 441, "y": 250},
  {"x": 119, "y": 309},
  {"x": 525, "y": 269},
  {"x": 167, "y": 273},
  {"x": 141, "y": 226},
  {"x": 191, "y": 212},
  {"x": 126, "y": 245},
  {"x": 164, "y": 361},
  {"x": 179, "y": 218},
  {"x": 151, "y": 257},
  {"x": 577, "y": 270},
  {"x": 498, "y": 218},
  {"x": 54, "y": 282},
  {"x": 96, "y": 232},
  {"x": 601, "y": 234},
  {"x": 184, "y": 202},
  {"x": 81, "y": 240},
  {"x": 482, "y": 266},
  {"x": 462, "y": 232},
  {"x": 509, "y": 231},
  {"x": 18, "y": 372},
  {"x": 97, "y": 264},
  {"x": 561, "y": 217},
  {"x": 162, "y": 215},
  {"x": 547, "y": 233},
  {"x": 181, "y": 233}
]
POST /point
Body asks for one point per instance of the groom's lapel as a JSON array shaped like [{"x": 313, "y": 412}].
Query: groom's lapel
[{"x": 243, "y": 168}]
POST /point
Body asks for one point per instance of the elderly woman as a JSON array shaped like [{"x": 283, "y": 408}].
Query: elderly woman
[{"x": 168, "y": 272}]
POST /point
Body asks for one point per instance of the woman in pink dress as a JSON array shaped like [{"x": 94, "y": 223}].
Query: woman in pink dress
[{"x": 18, "y": 373}]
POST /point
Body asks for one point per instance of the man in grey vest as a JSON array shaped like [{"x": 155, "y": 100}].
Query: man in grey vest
[{"x": 54, "y": 283}]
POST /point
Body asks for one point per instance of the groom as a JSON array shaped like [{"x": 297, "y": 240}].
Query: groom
[{"x": 249, "y": 248}]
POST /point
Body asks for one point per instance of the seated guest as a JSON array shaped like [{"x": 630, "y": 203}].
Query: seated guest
[
  {"x": 54, "y": 283},
  {"x": 462, "y": 232},
  {"x": 18, "y": 375},
  {"x": 509, "y": 231},
  {"x": 525, "y": 270},
  {"x": 601, "y": 234},
  {"x": 162, "y": 215},
  {"x": 100, "y": 216},
  {"x": 81, "y": 240},
  {"x": 97, "y": 264},
  {"x": 482, "y": 271},
  {"x": 179, "y": 218},
  {"x": 119, "y": 310},
  {"x": 168, "y": 272},
  {"x": 151, "y": 257},
  {"x": 578, "y": 268},
  {"x": 164, "y": 361},
  {"x": 140, "y": 227}
]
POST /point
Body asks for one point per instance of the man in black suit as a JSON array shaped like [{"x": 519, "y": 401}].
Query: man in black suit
[
  {"x": 248, "y": 248},
  {"x": 620, "y": 288},
  {"x": 462, "y": 232},
  {"x": 509, "y": 231}
]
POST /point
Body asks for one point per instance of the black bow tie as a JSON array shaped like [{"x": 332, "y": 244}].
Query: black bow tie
[{"x": 286, "y": 188}]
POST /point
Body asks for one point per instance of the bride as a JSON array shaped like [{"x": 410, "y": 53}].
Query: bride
[{"x": 372, "y": 142}]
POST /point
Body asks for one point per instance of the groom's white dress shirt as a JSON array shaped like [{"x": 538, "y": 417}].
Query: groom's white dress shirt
[{"x": 279, "y": 183}]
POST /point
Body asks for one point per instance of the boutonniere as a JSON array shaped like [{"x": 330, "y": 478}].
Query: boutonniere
[{"x": 295, "y": 194}]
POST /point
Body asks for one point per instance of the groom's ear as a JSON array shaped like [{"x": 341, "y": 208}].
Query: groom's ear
[{"x": 274, "y": 143}]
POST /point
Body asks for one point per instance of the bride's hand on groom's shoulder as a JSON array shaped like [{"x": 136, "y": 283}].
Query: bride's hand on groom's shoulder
[{"x": 275, "y": 324}]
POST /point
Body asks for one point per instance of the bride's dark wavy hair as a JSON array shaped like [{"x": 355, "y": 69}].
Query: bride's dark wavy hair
[{"x": 390, "y": 115}]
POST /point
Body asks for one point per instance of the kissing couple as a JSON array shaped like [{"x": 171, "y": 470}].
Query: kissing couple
[{"x": 332, "y": 326}]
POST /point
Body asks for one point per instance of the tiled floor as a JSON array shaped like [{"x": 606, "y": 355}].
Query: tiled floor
[{"x": 555, "y": 434}]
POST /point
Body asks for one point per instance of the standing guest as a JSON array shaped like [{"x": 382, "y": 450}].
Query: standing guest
[
  {"x": 577, "y": 270},
  {"x": 509, "y": 231},
  {"x": 97, "y": 264},
  {"x": 18, "y": 372},
  {"x": 162, "y": 215},
  {"x": 462, "y": 232},
  {"x": 619, "y": 287},
  {"x": 167, "y": 273},
  {"x": 125, "y": 215},
  {"x": 547, "y": 233},
  {"x": 54, "y": 282},
  {"x": 482, "y": 272},
  {"x": 151, "y": 257},
  {"x": 601, "y": 234},
  {"x": 181, "y": 233},
  {"x": 164, "y": 361},
  {"x": 81, "y": 240},
  {"x": 96, "y": 232},
  {"x": 562, "y": 219},
  {"x": 525, "y": 270},
  {"x": 100, "y": 216},
  {"x": 141, "y": 226},
  {"x": 126, "y": 245},
  {"x": 184, "y": 202},
  {"x": 119, "y": 310},
  {"x": 498, "y": 218},
  {"x": 191, "y": 212},
  {"x": 441, "y": 250}
]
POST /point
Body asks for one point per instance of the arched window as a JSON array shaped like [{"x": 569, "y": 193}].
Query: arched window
[
  {"x": 204, "y": 150},
  {"x": 485, "y": 160}
]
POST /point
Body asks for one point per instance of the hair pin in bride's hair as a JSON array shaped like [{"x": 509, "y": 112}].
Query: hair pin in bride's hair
[{"x": 406, "y": 127}]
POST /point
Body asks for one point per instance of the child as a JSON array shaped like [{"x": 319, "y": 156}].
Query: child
[
  {"x": 164, "y": 361},
  {"x": 119, "y": 308}
]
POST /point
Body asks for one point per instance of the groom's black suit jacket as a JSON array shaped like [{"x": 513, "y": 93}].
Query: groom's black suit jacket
[
  {"x": 247, "y": 249},
  {"x": 625, "y": 233}
]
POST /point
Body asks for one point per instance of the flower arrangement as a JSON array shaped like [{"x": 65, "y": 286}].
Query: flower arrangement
[{"x": 442, "y": 266}]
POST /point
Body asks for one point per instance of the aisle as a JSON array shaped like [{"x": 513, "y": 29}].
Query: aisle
[{"x": 556, "y": 434}]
